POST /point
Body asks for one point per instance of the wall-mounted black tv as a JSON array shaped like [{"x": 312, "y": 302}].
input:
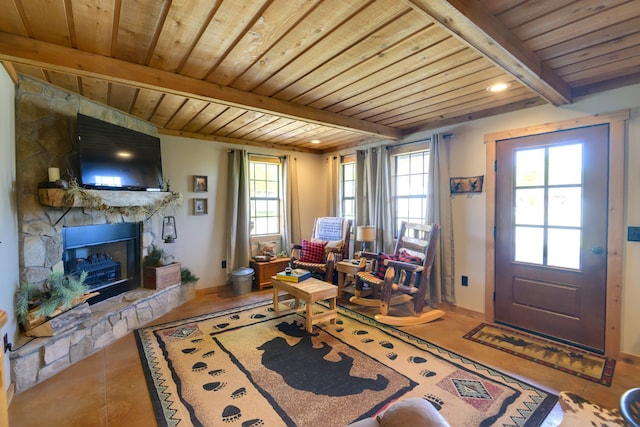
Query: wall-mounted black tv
[{"x": 116, "y": 158}]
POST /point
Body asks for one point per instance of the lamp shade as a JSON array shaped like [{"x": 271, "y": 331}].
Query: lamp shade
[{"x": 365, "y": 233}]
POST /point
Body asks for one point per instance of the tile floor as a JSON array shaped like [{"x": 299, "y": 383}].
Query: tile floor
[{"x": 108, "y": 388}]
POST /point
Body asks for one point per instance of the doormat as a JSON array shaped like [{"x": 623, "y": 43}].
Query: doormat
[
  {"x": 565, "y": 358},
  {"x": 248, "y": 366}
]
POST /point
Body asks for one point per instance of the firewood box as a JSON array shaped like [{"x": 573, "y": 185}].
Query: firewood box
[{"x": 162, "y": 276}]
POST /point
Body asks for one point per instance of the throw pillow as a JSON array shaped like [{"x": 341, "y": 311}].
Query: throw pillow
[
  {"x": 412, "y": 252},
  {"x": 312, "y": 252},
  {"x": 331, "y": 244},
  {"x": 267, "y": 248},
  {"x": 402, "y": 257},
  {"x": 382, "y": 268}
]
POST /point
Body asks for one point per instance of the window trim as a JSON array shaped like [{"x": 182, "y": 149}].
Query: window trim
[{"x": 256, "y": 158}]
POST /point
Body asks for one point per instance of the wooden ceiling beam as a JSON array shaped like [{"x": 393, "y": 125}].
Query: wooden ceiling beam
[
  {"x": 72, "y": 61},
  {"x": 235, "y": 141},
  {"x": 472, "y": 23}
]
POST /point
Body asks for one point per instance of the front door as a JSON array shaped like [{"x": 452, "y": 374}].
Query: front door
[{"x": 551, "y": 234}]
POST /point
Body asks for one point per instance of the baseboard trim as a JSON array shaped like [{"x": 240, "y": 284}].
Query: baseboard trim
[
  {"x": 460, "y": 310},
  {"x": 631, "y": 359}
]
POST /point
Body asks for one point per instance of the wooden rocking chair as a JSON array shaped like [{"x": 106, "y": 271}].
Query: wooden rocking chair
[
  {"x": 329, "y": 244},
  {"x": 403, "y": 281}
]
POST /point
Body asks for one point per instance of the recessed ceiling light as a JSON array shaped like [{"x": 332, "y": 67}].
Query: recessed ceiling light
[
  {"x": 499, "y": 87},
  {"x": 315, "y": 141}
]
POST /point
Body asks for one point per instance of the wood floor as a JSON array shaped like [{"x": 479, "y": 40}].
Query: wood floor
[{"x": 108, "y": 388}]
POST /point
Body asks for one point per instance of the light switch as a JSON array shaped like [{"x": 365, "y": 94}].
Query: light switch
[{"x": 633, "y": 234}]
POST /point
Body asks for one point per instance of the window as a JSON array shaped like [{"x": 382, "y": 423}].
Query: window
[
  {"x": 411, "y": 176},
  {"x": 348, "y": 191},
  {"x": 264, "y": 195}
]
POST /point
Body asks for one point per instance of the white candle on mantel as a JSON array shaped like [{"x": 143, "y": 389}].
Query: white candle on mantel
[{"x": 54, "y": 174}]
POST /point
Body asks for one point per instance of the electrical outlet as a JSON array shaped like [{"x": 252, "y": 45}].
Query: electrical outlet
[
  {"x": 465, "y": 281},
  {"x": 224, "y": 264}
]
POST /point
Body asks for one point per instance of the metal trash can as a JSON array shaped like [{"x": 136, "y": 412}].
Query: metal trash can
[{"x": 242, "y": 279}]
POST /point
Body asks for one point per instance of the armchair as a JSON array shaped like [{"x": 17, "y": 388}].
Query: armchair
[
  {"x": 402, "y": 276},
  {"x": 329, "y": 244}
]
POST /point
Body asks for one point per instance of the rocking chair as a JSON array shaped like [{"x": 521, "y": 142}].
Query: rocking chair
[
  {"x": 405, "y": 276},
  {"x": 329, "y": 244}
]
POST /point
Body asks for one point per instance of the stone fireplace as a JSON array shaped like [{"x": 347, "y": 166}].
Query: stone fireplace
[{"x": 53, "y": 236}]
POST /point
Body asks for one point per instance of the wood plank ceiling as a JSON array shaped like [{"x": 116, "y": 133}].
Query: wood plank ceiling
[{"x": 282, "y": 73}]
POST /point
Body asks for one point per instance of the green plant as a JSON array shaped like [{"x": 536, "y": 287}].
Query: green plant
[
  {"x": 153, "y": 257},
  {"x": 58, "y": 291},
  {"x": 186, "y": 276}
]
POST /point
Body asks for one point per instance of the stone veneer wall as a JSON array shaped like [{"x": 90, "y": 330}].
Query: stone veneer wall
[{"x": 46, "y": 137}]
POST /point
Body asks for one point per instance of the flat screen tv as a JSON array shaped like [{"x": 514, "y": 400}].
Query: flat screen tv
[{"x": 116, "y": 158}]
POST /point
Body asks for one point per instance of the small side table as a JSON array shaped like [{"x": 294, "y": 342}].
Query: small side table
[
  {"x": 345, "y": 268},
  {"x": 264, "y": 270},
  {"x": 310, "y": 291}
]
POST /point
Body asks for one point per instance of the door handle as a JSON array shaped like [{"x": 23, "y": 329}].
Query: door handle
[{"x": 597, "y": 250}]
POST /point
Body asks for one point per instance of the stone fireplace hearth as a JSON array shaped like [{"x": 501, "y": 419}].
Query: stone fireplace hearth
[{"x": 110, "y": 320}]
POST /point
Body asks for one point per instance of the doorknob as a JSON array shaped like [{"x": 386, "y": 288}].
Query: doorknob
[{"x": 597, "y": 250}]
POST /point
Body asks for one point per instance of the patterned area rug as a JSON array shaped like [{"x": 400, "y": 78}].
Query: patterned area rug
[
  {"x": 565, "y": 358},
  {"x": 249, "y": 367}
]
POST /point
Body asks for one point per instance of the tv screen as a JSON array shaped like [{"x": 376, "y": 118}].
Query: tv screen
[{"x": 116, "y": 158}]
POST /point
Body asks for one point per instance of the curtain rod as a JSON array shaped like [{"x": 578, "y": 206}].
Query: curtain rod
[
  {"x": 428, "y": 139},
  {"x": 266, "y": 155}
]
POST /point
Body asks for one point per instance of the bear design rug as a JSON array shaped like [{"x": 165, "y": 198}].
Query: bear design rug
[{"x": 251, "y": 367}]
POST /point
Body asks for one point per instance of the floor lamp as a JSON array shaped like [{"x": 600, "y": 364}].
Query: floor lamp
[{"x": 365, "y": 234}]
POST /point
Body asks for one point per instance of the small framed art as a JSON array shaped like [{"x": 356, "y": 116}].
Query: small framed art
[
  {"x": 199, "y": 183},
  {"x": 200, "y": 206},
  {"x": 462, "y": 185}
]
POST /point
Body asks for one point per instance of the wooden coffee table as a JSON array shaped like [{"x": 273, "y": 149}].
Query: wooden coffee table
[{"x": 310, "y": 290}]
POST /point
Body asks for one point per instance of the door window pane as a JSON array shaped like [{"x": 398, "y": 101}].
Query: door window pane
[
  {"x": 530, "y": 206},
  {"x": 529, "y": 244},
  {"x": 565, "y": 165},
  {"x": 565, "y": 206},
  {"x": 564, "y": 248},
  {"x": 548, "y": 193},
  {"x": 530, "y": 167}
]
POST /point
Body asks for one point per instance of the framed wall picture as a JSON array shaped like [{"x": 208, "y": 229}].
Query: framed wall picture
[
  {"x": 200, "y": 206},
  {"x": 199, "y": 183},
  {"x": 462, "y": 185}
]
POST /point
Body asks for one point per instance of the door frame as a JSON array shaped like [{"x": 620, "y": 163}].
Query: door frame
[{"x": 615, "y": 226}]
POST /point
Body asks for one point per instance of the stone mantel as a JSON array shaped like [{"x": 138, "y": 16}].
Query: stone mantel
[{"x": 56, "y": 197}]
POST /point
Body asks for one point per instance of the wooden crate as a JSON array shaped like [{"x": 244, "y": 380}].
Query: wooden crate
[{"x": 161, "y": 277}]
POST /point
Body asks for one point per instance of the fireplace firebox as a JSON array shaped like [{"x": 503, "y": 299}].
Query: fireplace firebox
[{"x": 109, "y": 253}]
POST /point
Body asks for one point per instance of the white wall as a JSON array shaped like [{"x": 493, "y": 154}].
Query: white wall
[
  {"x": 200, "y": 245},
  {"x": 8, "y": 210}
]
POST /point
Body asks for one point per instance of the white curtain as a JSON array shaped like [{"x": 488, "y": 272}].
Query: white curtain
[
  {"x": 373, "y": 195},
  {"x": 238, "y": 214},
  {"x": 291, "y": 204},
  {"x": 333, "y": 189},
  {"x": 439, "y": 212}
]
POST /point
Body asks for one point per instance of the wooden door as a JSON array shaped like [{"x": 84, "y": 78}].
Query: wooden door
[{"x": 551, "y": 234}]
